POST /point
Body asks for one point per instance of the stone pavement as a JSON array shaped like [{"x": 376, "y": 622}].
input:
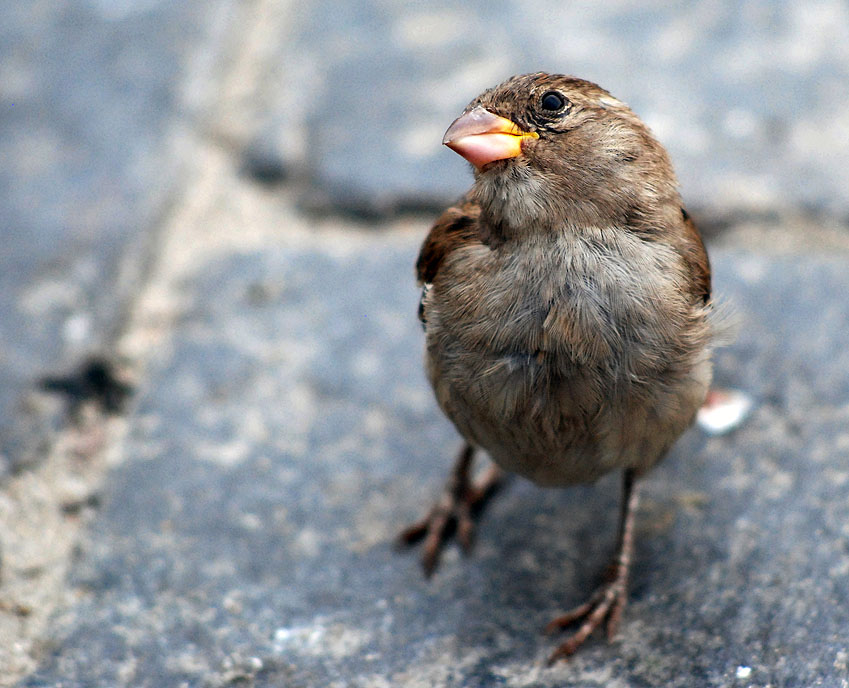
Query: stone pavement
[
  {"x": 92, "y": 98},
  {"x": 235, "y": 527},
  {"x": 285, "y": 431}
]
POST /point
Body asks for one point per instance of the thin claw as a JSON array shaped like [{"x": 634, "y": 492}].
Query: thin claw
[
  {"x": 466, "y": 534},
  {"x": 429, "y": 561},
  {"x": 576, "y": 613},
  {"x": 560, "y": 653},
  {"x": 564, "y": 651},
  {"x": 454, "y": 513},
  {"x": 569, "y": 648},
  {"x": 433, "y": 544},
  {"x": 568, "y": 618},
  {"x": 430, "y": 558},
  {"x": 413, "y": 533},
  {"x": 614, "y": 619}
]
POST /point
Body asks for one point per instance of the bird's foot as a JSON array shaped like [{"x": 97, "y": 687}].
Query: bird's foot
[
  {"x": 608, "y": 601},
  {"x": 606, "y": 604},
  {"x": 454, "y": 512}
]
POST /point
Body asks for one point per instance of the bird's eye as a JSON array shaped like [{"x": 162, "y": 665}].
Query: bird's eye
[{"x": 553, "y": 102}]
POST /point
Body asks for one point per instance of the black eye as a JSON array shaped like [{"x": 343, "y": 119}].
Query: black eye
[{"x": 552, "y": 102}]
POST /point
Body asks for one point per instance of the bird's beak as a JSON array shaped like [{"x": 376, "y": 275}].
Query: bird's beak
[{"x": 482, "y": 137}]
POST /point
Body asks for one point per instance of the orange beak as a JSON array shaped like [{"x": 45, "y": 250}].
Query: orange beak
[{"x": 482, "y": 137}]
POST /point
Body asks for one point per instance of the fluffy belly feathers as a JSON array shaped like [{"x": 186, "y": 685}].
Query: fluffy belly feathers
[{"x": 564, "y": 388}]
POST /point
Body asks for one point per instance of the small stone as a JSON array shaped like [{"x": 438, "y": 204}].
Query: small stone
[
  {"x": 743, "y": 672},
  {"x": 724, "y": 410}
]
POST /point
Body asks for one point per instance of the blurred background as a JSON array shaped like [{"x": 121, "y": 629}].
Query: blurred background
[{"x": 133, "y": 131}]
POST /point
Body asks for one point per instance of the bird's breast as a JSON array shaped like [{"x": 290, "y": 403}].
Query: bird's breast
[
  {"x": 596, "y": 297},
  {"x": 545, "y": 348}
]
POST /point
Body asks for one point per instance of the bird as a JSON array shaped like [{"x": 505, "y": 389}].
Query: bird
[{"x": 566, "y": 304}]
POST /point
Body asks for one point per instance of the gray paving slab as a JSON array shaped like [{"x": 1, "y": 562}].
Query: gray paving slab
[
  {"x": 90, "y": 94},
  {"x": 749, "y": 98},
  {"x": 287, "y": 433}
]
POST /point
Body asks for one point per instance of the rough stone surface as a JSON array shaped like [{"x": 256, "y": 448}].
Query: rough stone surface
[
  {"x": 283, "y": 431},
  {"x": 90, "y": 96},
  {"x": 747, "y": 97},
  {"x": 288, "y": 432}
]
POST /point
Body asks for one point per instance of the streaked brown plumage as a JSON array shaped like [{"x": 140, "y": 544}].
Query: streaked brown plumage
[{"x": 566, "y": 305}]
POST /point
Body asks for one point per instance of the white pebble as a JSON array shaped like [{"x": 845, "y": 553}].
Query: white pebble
[{"x": 744, "y": 672}]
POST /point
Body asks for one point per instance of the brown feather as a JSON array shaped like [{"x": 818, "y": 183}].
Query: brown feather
[
  {"x": 457, "y": 226},
  {"x": 692, "y": 249}
]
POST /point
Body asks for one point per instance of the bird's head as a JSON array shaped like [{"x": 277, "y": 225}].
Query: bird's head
[{"x": 549, "y": 148}]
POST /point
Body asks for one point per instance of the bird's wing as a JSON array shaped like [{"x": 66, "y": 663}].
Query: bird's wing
[
  {"x": 456, "y": 227},
  {"x": 692, "y": 250}
]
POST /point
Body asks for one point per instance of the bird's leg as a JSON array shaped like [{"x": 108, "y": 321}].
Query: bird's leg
[
  {"x": 608, "y": 601},
  {"x": 456, "y": 509}
]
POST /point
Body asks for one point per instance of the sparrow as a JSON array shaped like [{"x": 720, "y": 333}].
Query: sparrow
[{"x": 566, "y": 304}]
